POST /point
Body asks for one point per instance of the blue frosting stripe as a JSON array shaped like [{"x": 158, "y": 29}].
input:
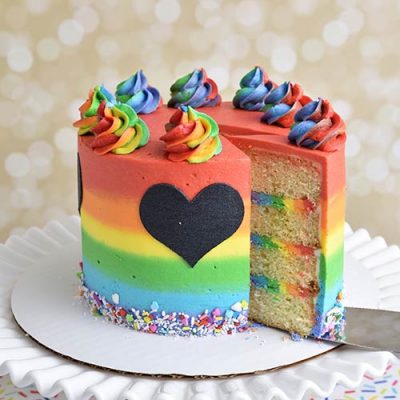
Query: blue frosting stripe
[
  {"x": 298, "y": 132},
  {"x": 276, "y": 95},
  {"x": 304, "y": 123},
  {"x": 141, "y": 298},
  {"x": 275, "y": 112}
]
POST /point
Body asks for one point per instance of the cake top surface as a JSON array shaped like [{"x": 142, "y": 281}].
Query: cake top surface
[
  {"x": 259, "y": 107},
  {"x": 154, "y": 151}
]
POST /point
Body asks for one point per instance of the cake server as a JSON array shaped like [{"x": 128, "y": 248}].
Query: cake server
[{"x": 374, "y": 329}]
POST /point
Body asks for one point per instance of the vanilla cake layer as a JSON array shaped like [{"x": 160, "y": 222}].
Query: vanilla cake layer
[
  {"x": 297, "y": 235},
  {"x": 297, "y": 221},
  {"x": 269, "y": 308}
]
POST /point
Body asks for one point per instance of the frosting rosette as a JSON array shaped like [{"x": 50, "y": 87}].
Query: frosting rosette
[
  {"x": 117, "y": 129},
  {"x": 254, "y": 86},
  {"x": 195, "y": 89},
  {"x": 192, "y": 136},
  {"x": 88, "y": 110},
  {"x": 318, "y": 126},
  {"x": 282, "y": 103},
  {"x": 135, "y": 91}
]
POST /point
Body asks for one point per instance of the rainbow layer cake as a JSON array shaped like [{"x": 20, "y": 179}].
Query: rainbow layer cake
[{"x": 202, "y": 213}]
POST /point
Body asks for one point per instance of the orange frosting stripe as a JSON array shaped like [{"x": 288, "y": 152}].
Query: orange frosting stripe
[
  {"x": 123, "y": 213},
  {"x": 333, "y": 211}
]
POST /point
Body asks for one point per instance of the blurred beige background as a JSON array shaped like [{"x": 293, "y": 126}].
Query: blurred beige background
[{"x": 54, "y": 51}]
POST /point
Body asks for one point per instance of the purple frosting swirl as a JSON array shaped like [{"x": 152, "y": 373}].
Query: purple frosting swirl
[
  {"x": 254, "y": 86},
  {"x": 135, "y": 92}
]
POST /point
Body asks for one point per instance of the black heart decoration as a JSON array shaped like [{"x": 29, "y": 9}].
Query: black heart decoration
[
  {"x": 191, "y": 228},
  {"x": 80, "y": 188}
]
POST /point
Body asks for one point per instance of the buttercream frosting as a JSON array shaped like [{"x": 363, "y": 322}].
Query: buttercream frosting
[
  {"x": 116, "y": 127},
  {"x": 136, "y": 92},
  {"x": 192, "y": 136},
  {"x": 318, "y": 126},
  {"x": 88, "y": 110},
  {"x": 195, "y": 89},
  {"x": 254, "y": 86},
  {"x": 282, "y": 103}
]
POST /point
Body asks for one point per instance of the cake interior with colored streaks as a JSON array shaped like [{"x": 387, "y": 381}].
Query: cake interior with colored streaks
[{"x": 200, "y": 215}]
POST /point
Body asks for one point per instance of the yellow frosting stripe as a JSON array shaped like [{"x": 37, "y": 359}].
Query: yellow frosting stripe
[
  {"x": 332, "y": 231},
  {"x": 140, "y": 242},
  {"x": 333, "y": 211},
  {"x": 333, "y": 241}
]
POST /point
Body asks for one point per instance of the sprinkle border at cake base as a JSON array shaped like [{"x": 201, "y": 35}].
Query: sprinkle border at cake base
[{"x": 209, "y": 323}]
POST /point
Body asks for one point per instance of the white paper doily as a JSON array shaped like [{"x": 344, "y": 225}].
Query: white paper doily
[{"x": 28, "y": 363}]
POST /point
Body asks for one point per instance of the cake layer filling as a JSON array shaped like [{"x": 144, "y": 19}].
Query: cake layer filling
[
  {"x": 266, "y": 242},
  {"x": 278, "y": 287},
  {"x": 286, "y": 223},
  {"x": 278, "y": 260},
  {"x": 323, "y": 272},
  {"x": 319, "y": 228},
  {"x": 282, "y": 203}
]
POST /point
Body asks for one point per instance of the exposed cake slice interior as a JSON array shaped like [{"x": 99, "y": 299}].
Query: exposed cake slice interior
[{"x": 296, "y": 236}]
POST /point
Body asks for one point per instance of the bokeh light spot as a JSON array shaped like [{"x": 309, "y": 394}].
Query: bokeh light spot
[
  {"x": 313, "y": 50},
  {"x": 376, "y": 169},
  {"x": 70, "y": 32},
  {"x": 335, "y": 33},
  {"x": 167, "y": 11},
  {"x": 283, "y": 59},
  {"x": 20, "y": 59},
  {"x": 48, "y": 49},
  {"x": 65, "y": 139},
  {"x": 17, "y": 165}
]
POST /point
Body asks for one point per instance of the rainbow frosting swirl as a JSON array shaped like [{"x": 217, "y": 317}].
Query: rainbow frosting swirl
[
  {"x": 135, "y": 92},
  {"x": 318, "y": 126},
  {"x": 88, "y": 109},
  {"x": 254, "y": 86},
  {"x": 282, "y": 103},
  {"x": 195, "y": 89},
  {"x": 192, "y": 136},
  {"x": 116, "y": 126}
]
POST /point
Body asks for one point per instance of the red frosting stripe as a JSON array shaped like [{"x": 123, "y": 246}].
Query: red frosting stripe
[{"x": 148, "y": 166}]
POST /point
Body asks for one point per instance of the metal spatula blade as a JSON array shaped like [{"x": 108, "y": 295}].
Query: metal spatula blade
[{"x": 375, "y": 329}]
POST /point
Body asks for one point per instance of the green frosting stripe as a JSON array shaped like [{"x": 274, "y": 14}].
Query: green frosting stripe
[
  {"x": 155, "y": 273},
  {"x": 331, "y": 269}
]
